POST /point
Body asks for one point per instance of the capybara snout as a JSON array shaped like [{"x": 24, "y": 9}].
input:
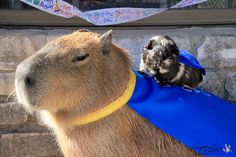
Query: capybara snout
[
  {"x": 26, "y": 82},
  {"x": 24, "y": 74}
]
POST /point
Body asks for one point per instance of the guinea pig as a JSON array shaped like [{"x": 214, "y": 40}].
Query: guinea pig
[{"x": 160, "y": 59}]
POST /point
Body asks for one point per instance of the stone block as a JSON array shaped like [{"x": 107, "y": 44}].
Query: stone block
[
  {"x": 7, "y": 83},
  {"x": 218, "y": 52},
  {"x": 28, "y": 145},
  {"x": 211, "y": 83},
  {"x": 12, "y": 113},
  {"x": 7, "y": 66},
  {"x": 18, "y": 46},
  {"x": 230, "y": 86},
  {"x": 182, "y": 42},
  {"x": 32, "y": 43},
  {"x": 11, "y": 47}
]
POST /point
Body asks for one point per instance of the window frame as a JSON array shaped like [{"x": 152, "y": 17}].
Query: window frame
[{"x": 184, "y": 17}]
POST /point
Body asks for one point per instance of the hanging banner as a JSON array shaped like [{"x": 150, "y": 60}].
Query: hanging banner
[{"x": 109, "y": 16}]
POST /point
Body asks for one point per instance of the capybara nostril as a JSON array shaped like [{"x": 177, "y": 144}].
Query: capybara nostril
[{"x": 29, "y": 81}]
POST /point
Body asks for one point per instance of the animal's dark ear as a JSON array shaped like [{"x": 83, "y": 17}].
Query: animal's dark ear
[
  {"x": 168, "y": 38},
  {"x": 106, "y": 42},
  {"x": 172, "y": 48},
  {"x": 150, "y": 45}
]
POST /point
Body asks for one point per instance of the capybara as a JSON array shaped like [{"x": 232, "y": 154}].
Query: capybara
[{"x": 81, "y": 73}]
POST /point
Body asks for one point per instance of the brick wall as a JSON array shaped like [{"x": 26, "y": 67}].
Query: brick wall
[{"x": 21, "y": 134}]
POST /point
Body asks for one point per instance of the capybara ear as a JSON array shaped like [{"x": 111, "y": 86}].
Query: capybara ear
[
  {"x": 106, "y": 42},
  {"x": 84, "y": 30}
]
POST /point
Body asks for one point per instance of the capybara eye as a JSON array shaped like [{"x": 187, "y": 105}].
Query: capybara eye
[{"x": 80, "y": 58}]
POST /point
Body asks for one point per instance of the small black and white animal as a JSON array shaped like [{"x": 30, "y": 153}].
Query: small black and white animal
[{"x": 160, "y": 58}]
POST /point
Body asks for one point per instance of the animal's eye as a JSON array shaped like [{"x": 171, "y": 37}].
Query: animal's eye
[{"x": 80, "y": 58}]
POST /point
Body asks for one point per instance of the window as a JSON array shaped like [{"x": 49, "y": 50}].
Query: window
[
  {"x": 13, "y": 4},
  {"x": 15, "y": 12},
  {"x": 216, "y": 4}
]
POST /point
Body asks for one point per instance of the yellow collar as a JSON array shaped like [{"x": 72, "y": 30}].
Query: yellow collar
[{"x": 112, "y": 107}]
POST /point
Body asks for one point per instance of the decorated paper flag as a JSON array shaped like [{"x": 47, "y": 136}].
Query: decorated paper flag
[{"x": 107, "y": 16}]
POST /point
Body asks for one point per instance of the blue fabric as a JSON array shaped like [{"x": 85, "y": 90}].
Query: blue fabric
[
  {"x": 189, "y": 60},
  {"x": 198, "y": 119}
]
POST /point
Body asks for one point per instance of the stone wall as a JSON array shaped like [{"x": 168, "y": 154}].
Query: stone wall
[{"x": 22, "y": 135}]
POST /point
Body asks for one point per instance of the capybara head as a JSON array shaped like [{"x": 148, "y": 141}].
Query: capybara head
[
  {"x": 159, "y": 49},
  {"x": 74, "y": 72}
]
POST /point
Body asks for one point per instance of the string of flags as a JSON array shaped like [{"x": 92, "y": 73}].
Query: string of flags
[{"x": 100, "y": 17}]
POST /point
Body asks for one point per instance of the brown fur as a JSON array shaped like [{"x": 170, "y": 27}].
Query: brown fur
[{"x": 66, "y": 91}]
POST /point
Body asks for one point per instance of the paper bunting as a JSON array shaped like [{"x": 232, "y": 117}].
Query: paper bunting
[{"x": 109, "y": 16}]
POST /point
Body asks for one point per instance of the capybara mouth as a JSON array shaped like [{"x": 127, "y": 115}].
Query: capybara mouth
[{"x": 24, "y": 97}]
